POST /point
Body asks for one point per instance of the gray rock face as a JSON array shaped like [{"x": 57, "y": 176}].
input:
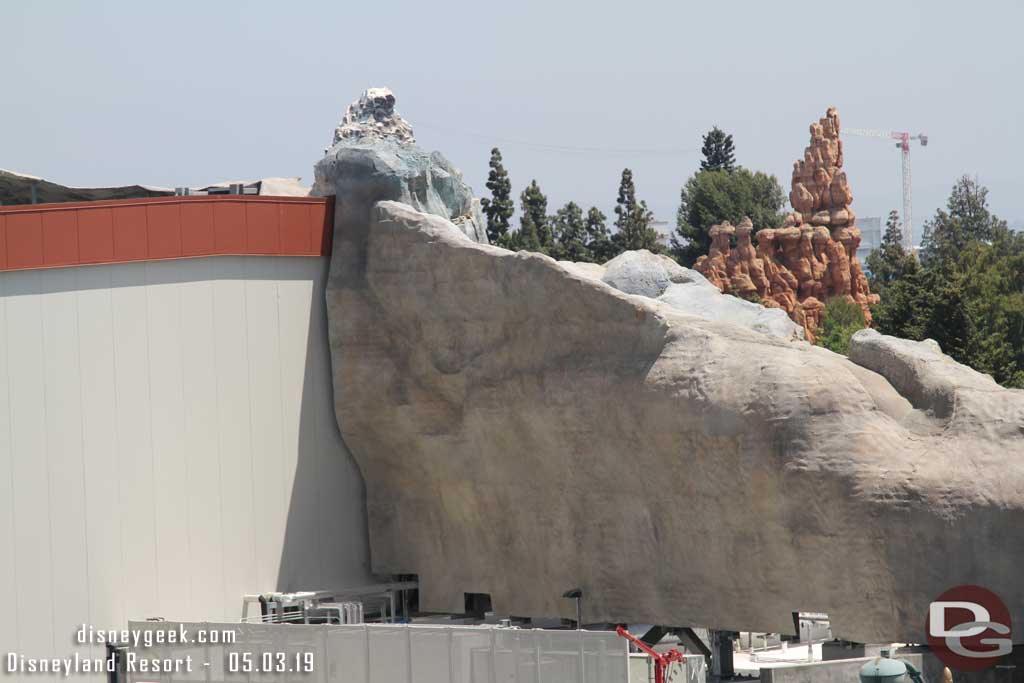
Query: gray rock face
[
  {"x": 523, "y": 429},
  {"x": 647, "y": 274},
  {"x": 706, "y": 301},
  {"x": 362, "y": 172},
  {"x": 594, "y": 271},
  {"x": 657, "y": 276},
  {"x": 962, "y": 398},
  {"x": 374, "y": 158}
]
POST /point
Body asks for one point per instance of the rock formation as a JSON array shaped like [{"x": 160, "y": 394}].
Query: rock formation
[
  {"x": 659, "y": 277},
  {"x": 374, "y": 149},
  {"x": 813, "y": 257},
  {"x": 373, "y": 117},
  {"x": 525, "y": 428}
]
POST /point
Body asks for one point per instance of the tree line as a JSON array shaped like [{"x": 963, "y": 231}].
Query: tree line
[
  {"x": 965, "y": 289},
  {"x": 568, "y": 234},
  {"x": 720, "y": 190}
]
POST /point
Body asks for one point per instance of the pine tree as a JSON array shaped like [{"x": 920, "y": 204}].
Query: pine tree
[
  {"x": 968, "y": 294},
  {"x": 890, "y": 261},
  {"x": 633, "y": 219},
  {"x": 570, "y": 232},
  {"x": 534, "y": 231},
  {"x": 966, "y": 220},
  {"x": 499, "y": 208},
  {"x": 599, "y": 240},
  {"x": 719, "y": 153},
  {"x": 625, "y": 205}
]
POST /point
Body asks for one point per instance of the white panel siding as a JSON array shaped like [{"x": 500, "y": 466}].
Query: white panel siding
[
  {"x": 202, "y": 498},
  {"x": 63, "y": 391},
  {"x": 270, "y": 500},
  {"x": 167, "y": 443},
  {"x": 134, "y": 444},
  {"x": 299, "y": 482},
  {"x": 170, "y": 468},
  {"x": 8, "y": 625},
  {"x": 33, "y": 541},
  {"x": 103, "y": 484}
]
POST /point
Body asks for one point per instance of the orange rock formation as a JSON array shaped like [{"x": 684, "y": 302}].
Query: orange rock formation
[{"x": 813, "y": 257}]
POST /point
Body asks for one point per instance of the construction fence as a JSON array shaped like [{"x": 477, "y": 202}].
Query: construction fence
[{"x": 373, "y": 653}]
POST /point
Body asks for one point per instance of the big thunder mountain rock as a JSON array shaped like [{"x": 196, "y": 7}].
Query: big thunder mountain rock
[{"x": 813, "y": 257}]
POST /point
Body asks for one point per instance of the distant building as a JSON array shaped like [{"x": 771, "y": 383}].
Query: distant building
[
  {"x": 870, "y": 235},
  {"x": 664, "y": 232}
]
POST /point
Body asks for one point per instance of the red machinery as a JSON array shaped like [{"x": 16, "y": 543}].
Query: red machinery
[{"x": 662, "y": 660}]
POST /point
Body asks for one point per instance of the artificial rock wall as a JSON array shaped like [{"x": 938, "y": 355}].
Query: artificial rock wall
[{"x": 524, "y": 428}]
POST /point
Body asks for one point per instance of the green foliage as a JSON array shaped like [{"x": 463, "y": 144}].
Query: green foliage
[
  {"x": 890, "y": 261},
  {"x": 534, "y": 231},
  {"x": 599, "y": 239},
  {"x": 969, "y": 294},
  {"x": 752, "y": 297},
  {"x": 570, "y": 233},
  {"x": 841, "y": 320},
  {"x": 928, "y": 304},
  {"x": 993, "y": 288},
  {"x": 966, "y": 220},
  {"x": 710, "y": 197},
  {"x": 632, "y": 219},
  {"x": 719, "y": 153},
  {"x": 499, "y": 208}
]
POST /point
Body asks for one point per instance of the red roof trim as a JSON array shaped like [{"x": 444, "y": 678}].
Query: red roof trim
[{"x": 158, "y": 228}]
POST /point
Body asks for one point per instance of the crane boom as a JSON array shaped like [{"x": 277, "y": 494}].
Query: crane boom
[
  {"x": 903, "y": 144},
  {"x": 869, "y": 133}
]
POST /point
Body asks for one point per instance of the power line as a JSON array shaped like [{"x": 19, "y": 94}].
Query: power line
[{"x": 558, "y": 149}]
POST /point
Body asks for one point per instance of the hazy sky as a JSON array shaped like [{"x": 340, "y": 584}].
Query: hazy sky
[{"x": 186, "y": 93}]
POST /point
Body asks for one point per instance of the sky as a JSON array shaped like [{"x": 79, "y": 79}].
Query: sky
[{"x": 188, "y": 93}]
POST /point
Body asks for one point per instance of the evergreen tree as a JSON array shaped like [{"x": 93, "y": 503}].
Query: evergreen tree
[
  {"x": 499, "y": 208},
  {"x": 534, "y": 231},
  {"x": 719, "y": 153},
  {"x": 993, "y": 289},
  {"x": 926, "y": 304},
  {"x": 599, "y": 240},
  {"x": 710, "y": 197},
  {"x": 969, "y": 294},
  {"x": 625, "y": 205},
  {"x": 966, "y": 220},
  {"x": 570, "y": 231},
  {"x": 890, "y": 261},
  {"x": 633, "y": 219}
]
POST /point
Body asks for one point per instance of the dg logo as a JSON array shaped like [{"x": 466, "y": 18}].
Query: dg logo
[{"x": 968, "y": 628}]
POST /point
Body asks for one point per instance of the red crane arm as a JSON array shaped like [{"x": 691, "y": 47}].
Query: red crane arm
[
  {"x": 661, "y": 661},
  {"x": 644, "y": 647}
]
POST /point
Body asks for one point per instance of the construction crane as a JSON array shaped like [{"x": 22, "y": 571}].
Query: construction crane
[
  {"x": 904, "y": 146},
  {"x": 663, "y": 661}
]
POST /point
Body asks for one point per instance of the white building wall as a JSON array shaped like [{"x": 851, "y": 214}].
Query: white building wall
[{"x": 167, "y": 444}]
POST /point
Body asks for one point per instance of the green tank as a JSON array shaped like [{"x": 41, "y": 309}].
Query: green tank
[{"x": 885, "y": 670}]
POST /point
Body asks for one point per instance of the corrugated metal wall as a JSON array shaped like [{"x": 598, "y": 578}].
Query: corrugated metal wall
[
  {"x": 119, "y": 231},
  {"x": 167, "y": 443}
]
